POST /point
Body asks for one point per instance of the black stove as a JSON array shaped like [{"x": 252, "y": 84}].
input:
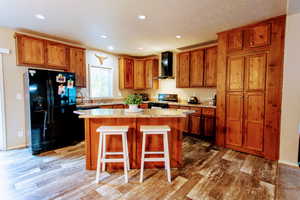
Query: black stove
[{"x": 163, "y": 100}]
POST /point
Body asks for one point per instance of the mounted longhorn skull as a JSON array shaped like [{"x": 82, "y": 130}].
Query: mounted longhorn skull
[{"x": 100, "y": 58}]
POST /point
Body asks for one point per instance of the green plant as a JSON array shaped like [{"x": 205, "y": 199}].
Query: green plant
[{"x": 133, "y": 99}]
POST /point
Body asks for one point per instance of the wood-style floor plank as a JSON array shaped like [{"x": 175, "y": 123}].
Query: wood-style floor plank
[{"x": 208, "y": 172}]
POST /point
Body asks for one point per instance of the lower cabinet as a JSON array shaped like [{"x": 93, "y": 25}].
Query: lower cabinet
[{"x": 143, "y": 106}]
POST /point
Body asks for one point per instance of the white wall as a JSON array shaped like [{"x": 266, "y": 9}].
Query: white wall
[
  {"x": 290, "y": 117},
  {"x": 14, "y": 95}
]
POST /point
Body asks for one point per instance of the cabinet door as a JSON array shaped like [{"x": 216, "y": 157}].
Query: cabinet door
[
  {"x": 209, "y": 124},
  {"x": 197, "y": 68},
  {"x": 183, "y": 70},
  {"x": 254, "y": 120},
  {"x": 259, "y": 36},
  {"x": 77, "y": 66},
  {"x": 234, "y": 119},
  {"x": 211, "y": 67},
  {"x": 149, "y": 73},
  {"x": 143, "y": 106},
  {"x": 195, "y": 126},
  {"x": 57, "y": 55},
  {"x": 235, "y": 40},
  {"x": 120, "y": 106},
  {"x": 255, "y": 72},
  {"x": 235, "y": 74},
  {"x": 128, "y": 73},
  {"x": 139, "y": 74},
  {"x": 31, "y": 51}
]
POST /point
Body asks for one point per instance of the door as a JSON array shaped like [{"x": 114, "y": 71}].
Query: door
[
  {"x": 77, "y": 66},
  {"x": 255, "y": 72},
  {"x": 259, "y": 36},
  {"x": 197, "y": 68},
  {"x": 235, "y": 74},
  {"x": 128, "y": 73},
  {"x": 254, "y": 106},
  {"x": 234, "y": 119},
  {"x": 195, "y": 127},
  {"x": 211, "y": 67},
  {"x": 183, "y": 70},
  {"x": 31, "y": 51},
  {"x": 139, "y": 74},
  {"x": 149, "y": 73},
  {"x": 57, "y": 55}
]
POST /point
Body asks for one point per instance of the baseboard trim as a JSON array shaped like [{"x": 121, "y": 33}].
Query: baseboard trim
[
  {"x": 288, "y": 163},
  {"x": 17, "y": 147}
]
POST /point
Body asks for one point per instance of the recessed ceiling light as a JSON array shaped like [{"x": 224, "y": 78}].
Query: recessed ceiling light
[
  {"x": 39, "y": 16},
  {"x": 140, "y": 48},
  {"x": 142, "y": 17},
  {"x": 103, "y": 36},
  {"x": 178, "y": 36},
  {"x": 110, "y": 47}
]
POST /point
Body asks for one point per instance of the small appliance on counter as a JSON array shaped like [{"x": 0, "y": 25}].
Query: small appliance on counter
[
  {"x": 193, "y": 100},
  {"x": 144, "y": 96}
]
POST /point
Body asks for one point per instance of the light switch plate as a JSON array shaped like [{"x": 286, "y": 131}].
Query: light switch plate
[{"x": 19, "y": 96}]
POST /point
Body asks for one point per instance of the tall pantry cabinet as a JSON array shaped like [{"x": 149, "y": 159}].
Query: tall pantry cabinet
[{"x": 249, "y": 84}]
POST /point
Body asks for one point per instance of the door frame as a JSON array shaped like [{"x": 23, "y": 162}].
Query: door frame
[{"x": 3, "y": 145}]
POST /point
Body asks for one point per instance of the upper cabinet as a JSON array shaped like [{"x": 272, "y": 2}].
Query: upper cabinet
[
  {"x": 211, "y": 67},
  {"x": 57, "y": 55},
  {"x": 138, "y": 73},
  {"x": 31, "y": 51},
  {"x": 235, "y": 40},
  {"x": 197, "y": 68},
  {"x": 183, "y": 70},
  {"x": 259, "y": 36},
  {"x": 78, "y": 66},
  {"x": 36, "y": 52},
  {"x": 126, "y": 73}
]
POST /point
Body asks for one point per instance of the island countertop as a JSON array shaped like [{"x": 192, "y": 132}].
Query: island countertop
[{"x": 123, "y": 113}]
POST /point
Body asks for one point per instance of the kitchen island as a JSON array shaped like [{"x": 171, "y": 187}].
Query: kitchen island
[{"x": 95, "y": 118}]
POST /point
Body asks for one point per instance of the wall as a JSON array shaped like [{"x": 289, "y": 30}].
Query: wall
[
  {"x": 14, "y": 95},
  {"x": 290, "y": 117}
]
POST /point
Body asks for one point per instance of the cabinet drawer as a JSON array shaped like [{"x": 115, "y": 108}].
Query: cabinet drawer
[
  {"x": 197, "y": 109},
  {"x": 106, "y": 106},
  {"x": 143, "y": 106},
  {"x": 185, "y": 107},
  {"x": 173, "y": 107},
  {"x": 208, "y": 111},
  {"x": 119, "y": 106}
]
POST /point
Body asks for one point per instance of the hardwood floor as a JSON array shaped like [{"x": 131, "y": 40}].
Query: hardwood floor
[{"x": 208, "y": 173}]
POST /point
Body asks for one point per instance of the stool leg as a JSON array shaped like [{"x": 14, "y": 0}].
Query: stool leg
[
  {"x": 104, "y": 153},
  {"x": 125, "y": 157},
  {"x": 143, "y": 157},
  {"x": 126, "y": 142},
  {"x": 99, "y": 158},
  {"x": 167, "y": 156}
]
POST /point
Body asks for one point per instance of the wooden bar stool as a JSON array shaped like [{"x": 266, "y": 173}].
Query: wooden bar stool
[
  {"x": 156, "y": 130},
  {"x": 106, "y": 131}
]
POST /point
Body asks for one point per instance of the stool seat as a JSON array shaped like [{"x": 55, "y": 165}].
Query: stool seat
[
  {"x": 113, "y": 129},
  {"x": 155, "y": 128}
]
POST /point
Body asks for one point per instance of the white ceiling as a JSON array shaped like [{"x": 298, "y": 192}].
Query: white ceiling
[{"x": 85, "y": 20}]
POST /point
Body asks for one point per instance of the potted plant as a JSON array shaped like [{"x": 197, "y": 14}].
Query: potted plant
[{"x": 133, "y": 101}]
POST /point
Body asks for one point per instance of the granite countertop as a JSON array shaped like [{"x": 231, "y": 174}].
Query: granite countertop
[
  {"x": 122, "y": 113},
  {"x": 181, "y": 103}
]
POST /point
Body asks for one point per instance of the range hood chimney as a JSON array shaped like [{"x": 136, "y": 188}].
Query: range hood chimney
[{"x": 166, "y": 65}]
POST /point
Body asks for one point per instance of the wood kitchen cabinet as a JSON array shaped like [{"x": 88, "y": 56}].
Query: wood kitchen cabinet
[
  {"x": 197, "y": 68},
  {"x": 77, "y": 66},
  {"x": 30, "y": 51},
  {"x": 250, "y": 69},
  {"x": 138, "y": 73},
  {"x": 183, "y": 70},
  {"x": 210, "y": 70},
  {"x": 57, "y": 55},
  {"x": 126, "y": 75}
]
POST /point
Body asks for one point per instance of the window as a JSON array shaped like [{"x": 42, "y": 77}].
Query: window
[{"x": 101, "y": 81}]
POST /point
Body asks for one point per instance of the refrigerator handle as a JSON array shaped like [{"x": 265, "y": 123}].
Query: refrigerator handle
[{"x": 45, "y": 124}]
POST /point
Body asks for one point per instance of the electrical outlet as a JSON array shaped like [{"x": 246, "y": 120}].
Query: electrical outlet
[{"x": 20, "y": 133}]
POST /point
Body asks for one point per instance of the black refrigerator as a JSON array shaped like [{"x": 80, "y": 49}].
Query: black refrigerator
[{"x": 52, "y": 99}]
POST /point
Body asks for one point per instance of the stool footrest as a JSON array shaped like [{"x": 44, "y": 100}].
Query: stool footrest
[
  {"x": 114, "y": 153},
  {"x": 154, "y": 159},
  {"x": 108, "y": 160},
  {"x": 154, "y": 152}
]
